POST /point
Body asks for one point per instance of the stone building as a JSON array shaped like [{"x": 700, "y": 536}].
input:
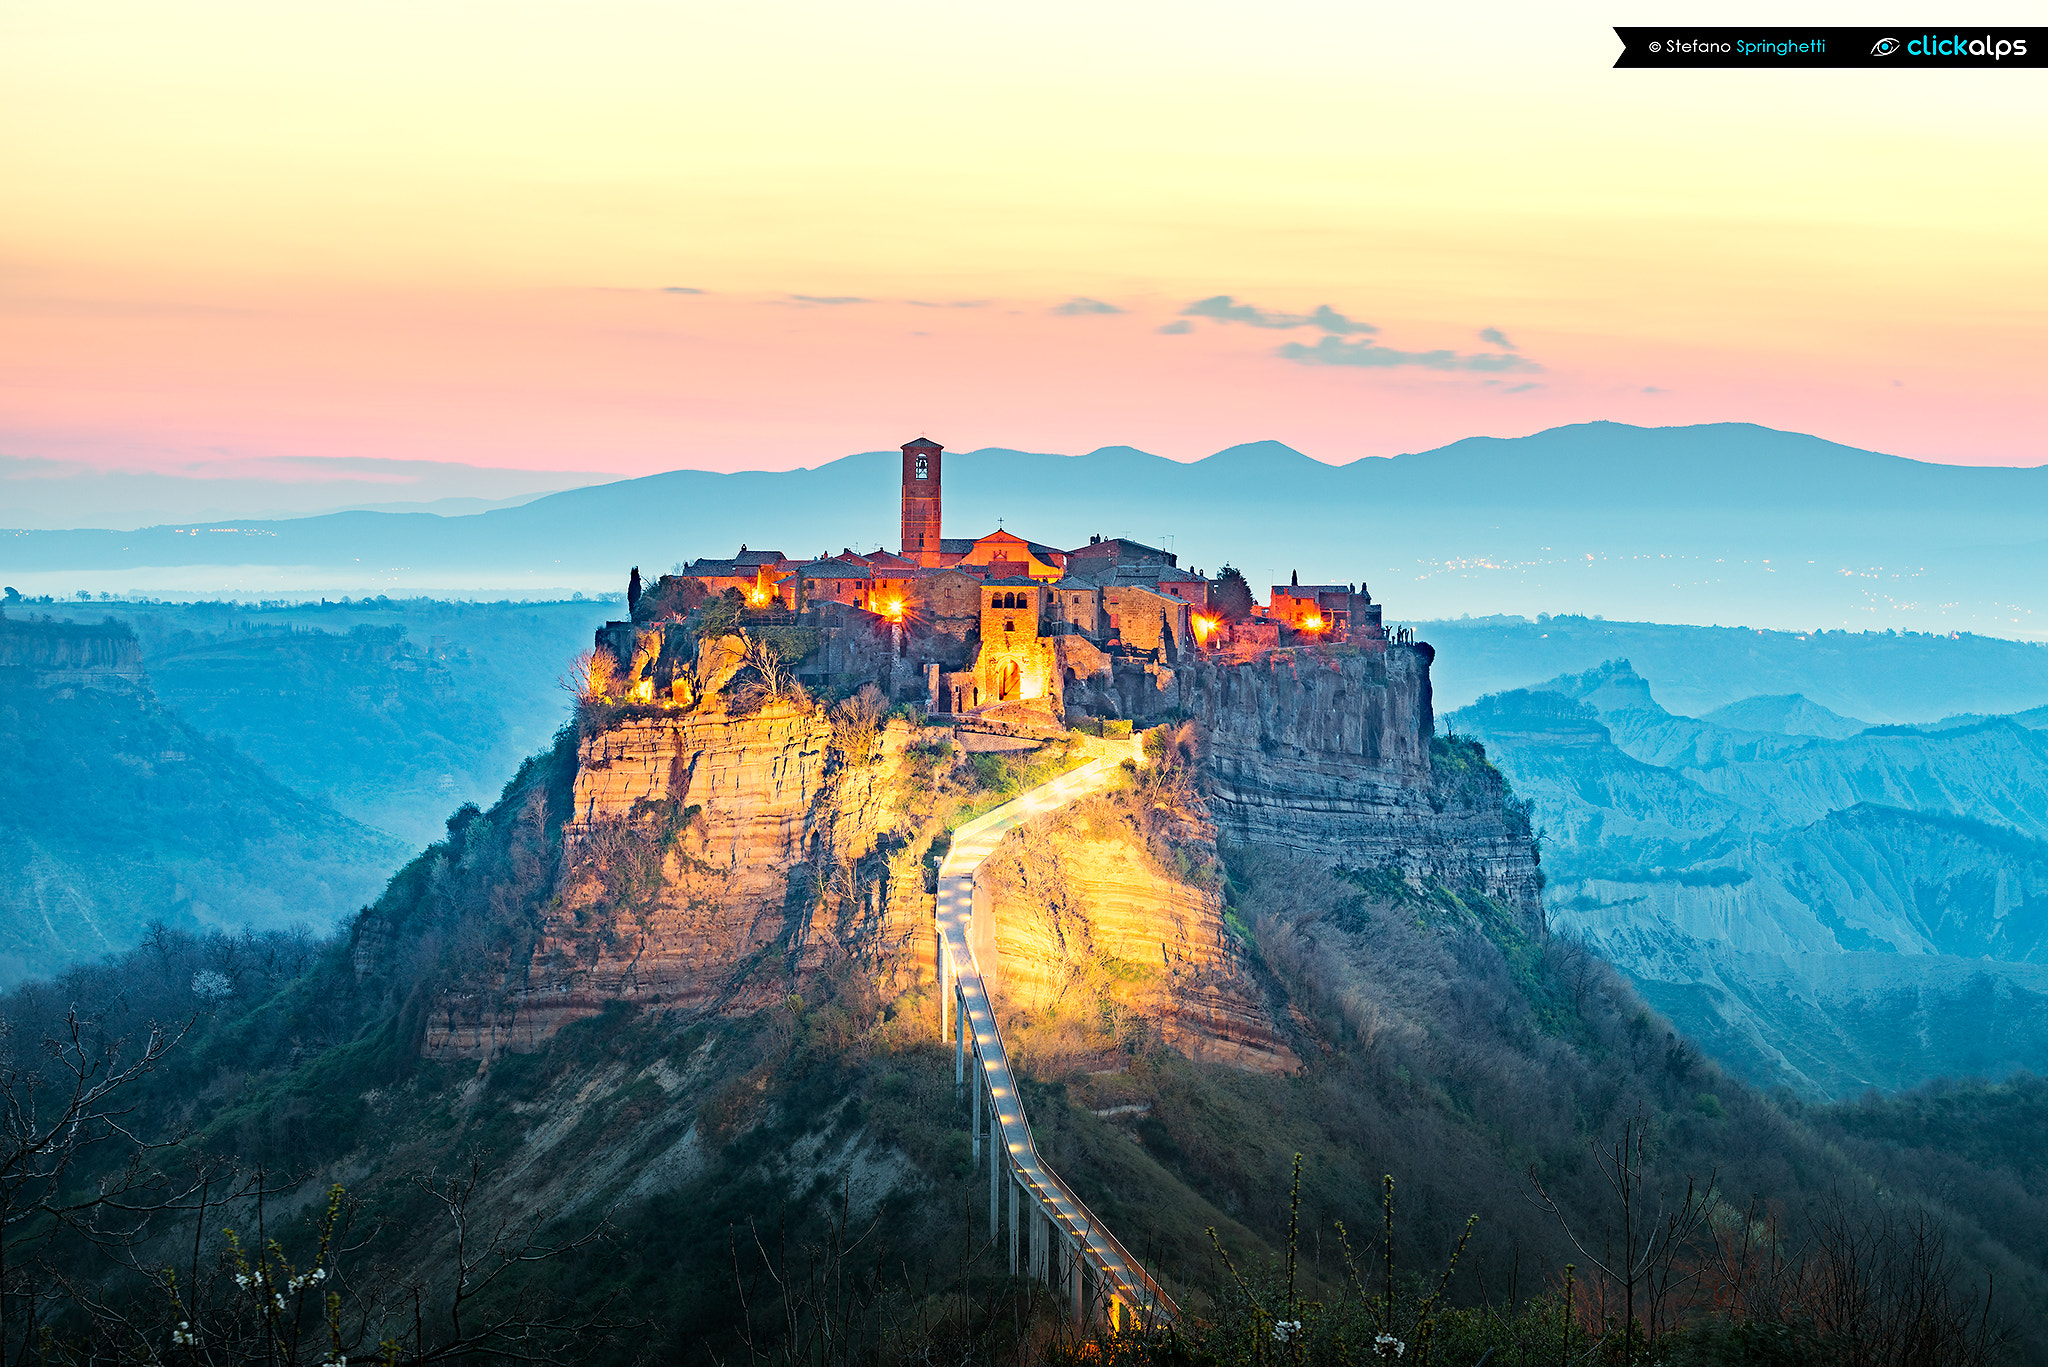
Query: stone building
[
  {"x": 965, "y": 624},
  {"x": 1334, "y": 612},
  {"x": 1145, "y": 619}
]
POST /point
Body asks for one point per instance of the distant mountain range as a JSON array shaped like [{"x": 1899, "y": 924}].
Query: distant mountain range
[{"x": 1726, "y": 523}]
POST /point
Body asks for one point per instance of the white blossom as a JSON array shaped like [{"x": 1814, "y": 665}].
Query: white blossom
[
  {"x": 1386, "y": 1345},
  {"x": 1285, "y": 1330},
  {"x": 212, "y": 985}
]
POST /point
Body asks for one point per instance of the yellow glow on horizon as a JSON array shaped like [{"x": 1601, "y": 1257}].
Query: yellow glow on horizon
[{"x": 444, "y": 229}]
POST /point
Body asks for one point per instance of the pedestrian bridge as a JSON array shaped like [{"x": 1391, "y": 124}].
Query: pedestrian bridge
[{"x": 1053, "y": 1236}]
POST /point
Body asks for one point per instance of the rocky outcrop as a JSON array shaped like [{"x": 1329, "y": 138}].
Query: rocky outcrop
[
  {"x": 50, "y": 654},
  {"x": 1086, "y": 918},
  {"x": 713, "y": 860},
  {"x": 1331, "y": 753}
]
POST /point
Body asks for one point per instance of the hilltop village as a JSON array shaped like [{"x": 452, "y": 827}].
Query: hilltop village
[{"x": 998, "y": 627}]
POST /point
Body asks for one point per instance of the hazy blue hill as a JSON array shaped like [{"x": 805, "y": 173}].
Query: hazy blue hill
[
  {"x": 1789, "y": 713},
  {"x": 1591, "y": 795},
  {"x": 1725, "y": 522},
  {"x": 1831, "y": 914},
  {"x": 392, "y": 712},
  {"x": 1995, "y": 772},
  {"x": 1907, "y": 677},
  {"x": 1714, "y": 468},
  {"x": 2034, "y": 718},
  {"x": 118, "y": 814}
]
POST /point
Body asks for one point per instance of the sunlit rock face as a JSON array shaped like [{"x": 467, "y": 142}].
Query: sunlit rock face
[
  {"x": 1086, "y": 919},
  {"x": 1329, "y": 754},
  {"x": 710, "y": 858},
  {"x": 713, "y": 861}
]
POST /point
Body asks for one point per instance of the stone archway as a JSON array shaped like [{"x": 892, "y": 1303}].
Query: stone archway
[{"x": 1008, "y": 682}]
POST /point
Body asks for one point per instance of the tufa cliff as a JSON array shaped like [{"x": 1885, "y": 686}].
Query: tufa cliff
[
  {"x": 1332, "y": 753},
  {"x": 711, "y": 860},
  {"x": 713, "y": 857}
]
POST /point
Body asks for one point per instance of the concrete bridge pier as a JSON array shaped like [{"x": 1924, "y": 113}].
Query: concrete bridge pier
[
  {"x": 1015, "y": 1184},
  {"x": 996, "y": 1164},
  {"x": 1074, "y": 1284}
]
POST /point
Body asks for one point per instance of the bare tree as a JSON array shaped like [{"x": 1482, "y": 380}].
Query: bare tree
[
  {"x": 485, "y": 1251},
  {"x": 72, "y": 1161},
  {"x": 1646, "y": 1233}
]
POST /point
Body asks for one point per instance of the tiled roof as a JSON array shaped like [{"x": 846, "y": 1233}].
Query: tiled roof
[
  {"x": 1117, "y": 545},
  {"x": 834, "y": 569}
]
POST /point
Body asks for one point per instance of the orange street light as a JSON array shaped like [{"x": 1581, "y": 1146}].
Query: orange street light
[
  {"x": 1204, "y": 626},
  {"x": 1312, "y": 622},
  {"x": 893, "y": 609}
]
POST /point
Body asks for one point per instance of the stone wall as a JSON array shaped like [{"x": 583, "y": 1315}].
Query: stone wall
[{"x": 1147, "y": 620}]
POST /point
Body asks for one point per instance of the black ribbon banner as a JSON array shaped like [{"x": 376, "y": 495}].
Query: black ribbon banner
[{"x": 1922, "y": 46}]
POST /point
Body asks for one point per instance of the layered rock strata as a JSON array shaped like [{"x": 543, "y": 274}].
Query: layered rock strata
[
  {"x": 711, "y": 859},
  {"x": 1084, "y": 916},
  {"x": 1329, "y": 753}
]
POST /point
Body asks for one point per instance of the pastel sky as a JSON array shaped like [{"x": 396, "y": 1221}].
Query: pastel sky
[{"x": 630, "y": 237}]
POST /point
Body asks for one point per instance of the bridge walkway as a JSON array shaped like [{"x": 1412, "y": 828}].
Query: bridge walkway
[{"x": 1063, "y": 1242}]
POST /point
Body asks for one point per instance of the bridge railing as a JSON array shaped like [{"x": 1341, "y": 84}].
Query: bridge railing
[
  {"x": 1125, "y": 1278},
  {"x": 1133, "y": 1294}
]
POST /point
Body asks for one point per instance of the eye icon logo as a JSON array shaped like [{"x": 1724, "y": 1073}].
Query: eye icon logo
[{"x": 1884, "y": 47}]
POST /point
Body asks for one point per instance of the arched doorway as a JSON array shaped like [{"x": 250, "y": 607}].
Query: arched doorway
[{"x": 1006, "y": 681}]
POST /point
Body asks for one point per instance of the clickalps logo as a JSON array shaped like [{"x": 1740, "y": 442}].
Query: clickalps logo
[
  {"x": 1934, "y": 45},
  {"x": 1885, "y": 47}
]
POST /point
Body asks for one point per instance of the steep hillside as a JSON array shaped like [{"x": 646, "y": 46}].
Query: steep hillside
[
  {"x": 761, "y": 1165},
  {"x": 1793, "y": 714},
  {"x": 118, "y": 815},
  {"x": 1778, "y": 909},
  {"x": 393, "y": 712}
]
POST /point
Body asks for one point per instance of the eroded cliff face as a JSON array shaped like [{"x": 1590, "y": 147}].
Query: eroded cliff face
[
  {"x": 711, "y": 861},
  {"x": 59, "y": 654},
  {"x": 1330, "y": 754},
  {"x": 1092, "y": 933}
]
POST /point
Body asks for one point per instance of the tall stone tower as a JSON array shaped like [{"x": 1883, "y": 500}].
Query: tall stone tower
[{"x": 921, "y": 502}]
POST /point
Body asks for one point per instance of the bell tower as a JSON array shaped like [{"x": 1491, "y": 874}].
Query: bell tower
[{"x": 921, "y": 502}]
